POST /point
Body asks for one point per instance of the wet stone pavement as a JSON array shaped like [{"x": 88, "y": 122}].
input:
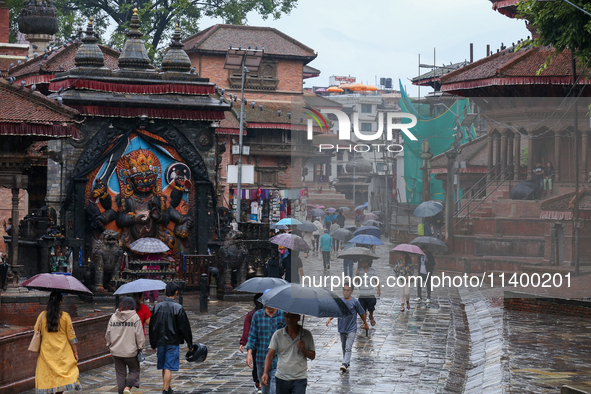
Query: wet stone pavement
[{"x": 462, "y": 342}]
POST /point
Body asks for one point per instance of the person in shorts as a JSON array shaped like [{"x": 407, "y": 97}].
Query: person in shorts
[
  {"x": 367, "y": 293},
  {"x": 169, "y": 327}
]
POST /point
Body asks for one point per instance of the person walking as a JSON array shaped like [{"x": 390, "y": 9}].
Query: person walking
[
  {"x": 367, "y": 293},
  {"x": 169, "y": 327},
  {"x": 293, "y": 267},
  {"x": 404, "y": 269},
  {"x": 125, "y": 339},
  {"x": 326, "y": 248},
  {"x": 348, "y": 325},
  {"x": 293, "y": 345},
  {"x": 264, "y": 324},
  {"x": 341, "y": 219},
  {"x": 347, "y": 263},
  {"x": 316, "y": 236},
  {"x": 327, "y": 221},
  {"x": 426, "y": 266},
  {"x": 244, "y": 338},
  {"x": 274, "y": 268},
  {"x": 57, "y": 364},
  {"x": 142, "y": 310}
]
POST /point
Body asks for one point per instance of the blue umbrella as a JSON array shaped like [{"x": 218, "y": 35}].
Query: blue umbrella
[
  {"x": 366, "y": 240},
  {"x": 278, "y": 226},
  {"x": 289, "y": 221},
  {"x": 428, "y": 209},
  {"x": 141, "y": 285},
  {"x": 370, "y": 230},
  {"x": 360, "y": 207}
]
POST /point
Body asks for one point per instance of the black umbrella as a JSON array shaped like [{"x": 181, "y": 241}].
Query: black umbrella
[
  {"x": 304, "y": 300},
  {"x": 259, "y": 285},
  {"x": 342, "y": 234},
  {"x": 432, "y": 244},
  {"x": 522, "y": 190}
]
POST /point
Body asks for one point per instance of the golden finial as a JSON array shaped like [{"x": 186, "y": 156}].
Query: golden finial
[
  {"x": 91, "y": 20},
  {"x": 135, "y": 11}
]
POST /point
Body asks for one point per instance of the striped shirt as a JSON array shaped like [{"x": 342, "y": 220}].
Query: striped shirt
[{"x": 262, "y": 329}]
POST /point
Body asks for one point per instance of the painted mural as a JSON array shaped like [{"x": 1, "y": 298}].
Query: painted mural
[{"x": 143, "y": 191}]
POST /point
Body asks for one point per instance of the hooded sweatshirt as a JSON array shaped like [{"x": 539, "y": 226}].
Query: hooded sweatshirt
[
  {"x": 274, "y": 268},
  {"x": 125, "y": 336}
]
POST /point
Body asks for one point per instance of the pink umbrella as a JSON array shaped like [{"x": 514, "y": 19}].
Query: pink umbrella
[
  {"x": 408, "y": 248},
  {"x": 320, "y": 207},
  {"x": 290, "y": 241},
  {"x": 370, "y": 216},
  {"x": 64, "y": 283}
]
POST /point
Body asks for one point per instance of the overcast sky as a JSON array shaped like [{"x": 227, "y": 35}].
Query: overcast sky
[{"x": 383, "y": 38}]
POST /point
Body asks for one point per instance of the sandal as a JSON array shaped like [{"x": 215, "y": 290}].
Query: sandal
[
  {"x": 402, "y": 309},
  {"x": 372, "y": 321}
]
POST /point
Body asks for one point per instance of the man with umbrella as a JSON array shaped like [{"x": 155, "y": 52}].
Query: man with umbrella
[
  {"x": 293, "y": 345},
  {"x": 264, "y": 324}
]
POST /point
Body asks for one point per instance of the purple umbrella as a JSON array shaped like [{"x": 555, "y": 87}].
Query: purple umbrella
[
  {"x": 320, "y": 90},
  {"x": 408, "y": 248},
  {"x": 290, "y": 241},
  {"x": 64, "y": 283},
  {"x": 330, "y": 210}
]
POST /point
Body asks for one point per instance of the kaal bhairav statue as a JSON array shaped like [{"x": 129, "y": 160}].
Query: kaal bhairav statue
[{"x": 141, "y": 209}]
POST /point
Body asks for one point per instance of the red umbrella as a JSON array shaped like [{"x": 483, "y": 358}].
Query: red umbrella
[
  {"x": 64, "y": 283},
  {"x": 408, "y": 248}
]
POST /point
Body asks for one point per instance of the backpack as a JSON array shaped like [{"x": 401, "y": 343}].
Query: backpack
[{"x": 421, "y": 229}]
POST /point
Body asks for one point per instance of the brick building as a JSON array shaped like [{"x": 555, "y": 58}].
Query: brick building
[{"x": 275, "y": 121}]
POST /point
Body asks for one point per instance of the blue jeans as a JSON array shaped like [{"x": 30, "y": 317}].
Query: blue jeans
[
  {"x": 348, "y": 267},
  {"x": 347, "y": 340},
  {"x": 270, "y": 389},
  {"x": 291, "y": 386}
]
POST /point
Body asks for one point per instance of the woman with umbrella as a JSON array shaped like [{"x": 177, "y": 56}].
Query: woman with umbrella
[
  {"x": 57, "y": 364},
  {"x": 426, "y": 266},
  {"x": 404, "y": 269}
]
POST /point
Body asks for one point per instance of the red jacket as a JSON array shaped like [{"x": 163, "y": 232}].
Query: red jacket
[{"x": 246, "y": 328}]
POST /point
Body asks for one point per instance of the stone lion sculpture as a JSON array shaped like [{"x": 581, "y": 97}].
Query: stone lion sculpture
[
  {"x": 233, "y": 256},
  {"x": 107, "y": 256}
]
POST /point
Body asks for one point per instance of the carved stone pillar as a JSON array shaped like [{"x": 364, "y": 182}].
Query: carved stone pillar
[
  {"x": 490, "y": 143},
  {"x": 556, "y": 156},
  {"x": 530, "y": 158},
  {"x": 14, "y": 230},
  {"x": 517, "y": 155},
  {"x": 503, "y": 151},
  {"x": 584, "y": 156},
  {"x": 497, "y": 153}
]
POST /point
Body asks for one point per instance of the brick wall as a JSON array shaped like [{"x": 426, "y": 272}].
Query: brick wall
[
  {"x": 18, "y": 365},
  {"x": 15, "y": 312},
  {"x": 555, "y": 306},
  {"x": 4, "y": 22}
]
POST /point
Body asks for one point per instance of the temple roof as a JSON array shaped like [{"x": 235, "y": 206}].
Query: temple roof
[
  {"x": 521, "y": 69},
  {"x": 562, "y": 207},
  {"x": 218, "y": 38},
  {"x": 21, "y": 109},
  {"x": 506, "y": 7},
  {"x": 474, "y": 153},
  {"x": 428, "y": 78},
  {"x": 32, "y": 73}
]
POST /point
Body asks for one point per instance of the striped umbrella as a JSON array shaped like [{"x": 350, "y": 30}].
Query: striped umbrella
[
  {"x": 290, "y": 241},
  {"x": 149, "y": 245}
]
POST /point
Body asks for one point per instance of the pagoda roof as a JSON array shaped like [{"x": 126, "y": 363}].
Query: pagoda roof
[
  {"x": 428, "y": 78},
  {"x": 506, "y": 7},
  {"x": 26, "y": 113},
  {"x": 64, "y": 57},
  {"x": 311, "y": 72},
  {"x": 562, "y": 207},
  {"x": 515, "y": 72},
  {"x": 217, "y": 38}
]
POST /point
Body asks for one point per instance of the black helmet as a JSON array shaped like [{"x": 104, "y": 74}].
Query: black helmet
[{"x": 197, "y": 354}]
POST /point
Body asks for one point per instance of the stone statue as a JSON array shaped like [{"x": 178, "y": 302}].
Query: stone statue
[
  {"x": 233, "y": 256},
  {"x": 107, "y": 257},
  {"x": 142, "y": 210}
]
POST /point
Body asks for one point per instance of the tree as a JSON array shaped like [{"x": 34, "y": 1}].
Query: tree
[
  {"x": 561, "y": 25},
  {"x": 157, "y": 17}
]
